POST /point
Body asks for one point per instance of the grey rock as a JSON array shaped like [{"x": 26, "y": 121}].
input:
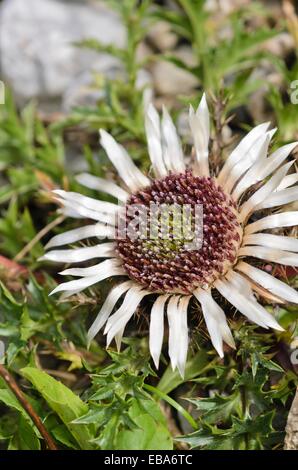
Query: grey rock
[
  {"x": 280, "y": 45},
  {"x": 37, "y": 55},
  {"x": 291, "y": 439},
  {"x": 161, "y": 35},
  {"x": 172, "y": 80},
  {"x": 83, "y": 90}
]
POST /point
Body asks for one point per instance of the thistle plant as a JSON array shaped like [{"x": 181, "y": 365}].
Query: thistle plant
[{"x": 171, "y": 340}]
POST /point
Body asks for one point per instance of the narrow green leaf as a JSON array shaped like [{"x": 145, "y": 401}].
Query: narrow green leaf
[{"x": 63, "y": 401}]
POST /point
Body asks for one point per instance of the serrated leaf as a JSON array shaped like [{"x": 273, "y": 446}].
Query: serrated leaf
[
  {"x": 218, "y": 409},
  {"x": 29, "y": 327}
]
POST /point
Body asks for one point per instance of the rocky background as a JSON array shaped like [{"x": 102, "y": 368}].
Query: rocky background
[{"x": 70, "y": 67}]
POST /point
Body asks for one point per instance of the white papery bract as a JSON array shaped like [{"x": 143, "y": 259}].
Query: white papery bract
[{"x": 234, "y": 278}]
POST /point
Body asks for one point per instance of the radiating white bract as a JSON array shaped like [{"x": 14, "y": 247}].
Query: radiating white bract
[
  {"x": 247, "y": 165},
  {"x": 200, "y": 127},
  {"x": 157, "y": 327}
]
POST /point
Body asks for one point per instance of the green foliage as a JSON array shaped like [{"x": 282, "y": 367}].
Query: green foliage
[
  {"x": 38, "y": 313},
  {"x": 245, "y": 434},
  {"x": 246, "y": 411},
  {"x": 63, "y": 401},
  {"x": 117, "y": 413},
  {"x": 94, "y": 399},
  {"x": 121, "y": 110},
  {"x": 286, "y": 113},
  {"x": 25, "y": 148},
  {"x": 22, "y": 222},
  {"x": 218, "y": 58},
  {"x": 124, "y": 414}
]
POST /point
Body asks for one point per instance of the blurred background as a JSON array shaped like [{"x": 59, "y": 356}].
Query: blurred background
[
  {"x": 69, "y": 54},
  {"x": 68, "y": 68}
]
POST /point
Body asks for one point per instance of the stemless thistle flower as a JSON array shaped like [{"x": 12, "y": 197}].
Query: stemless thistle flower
[{"x": 165, "y": 268}]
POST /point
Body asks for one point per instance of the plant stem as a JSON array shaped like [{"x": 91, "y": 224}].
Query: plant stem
[
  {"x": 195, "y": 15},
  {"x": 173, "y": 403},
  {"x": 219, "y": 103},
  {"x": 7, "y": 377},
  {"x": 38, "y": 237}
]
